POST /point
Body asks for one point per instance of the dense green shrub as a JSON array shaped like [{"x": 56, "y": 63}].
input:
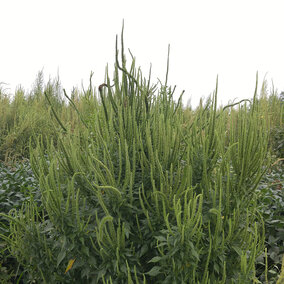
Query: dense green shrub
[
  {"x": 277, "y": 141},
  {"x": 139, "y": 194},
  {"x": 28, "y": 115},
  {"x": 271, "y": 204},
  {"x": 17, "y": 186}
]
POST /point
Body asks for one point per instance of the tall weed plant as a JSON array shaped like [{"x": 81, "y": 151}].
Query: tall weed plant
[
  {"x": 28, "y": 114},
  {"x": 139, "y": 192}
]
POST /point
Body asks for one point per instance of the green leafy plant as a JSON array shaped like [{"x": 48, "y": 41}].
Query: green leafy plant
[
  {"x": 17, "y": 186},
  {"x": 127, "y": 186},
  {"x": 137, "y": 194},
  {"x": 271, "y": 204}
]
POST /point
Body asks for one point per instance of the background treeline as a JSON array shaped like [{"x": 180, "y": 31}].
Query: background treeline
[{"x": 122, "y": 184}]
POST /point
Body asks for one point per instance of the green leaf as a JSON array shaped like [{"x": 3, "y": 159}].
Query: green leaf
[
  {"x": 237, "y": 250},
  {"x": 143, "y": 250},
  {"x": 155, "y": 259},
  {"x": 154, "y": 271},
  {"x": 60, "y": 257},
  {"x": 85, "y": 250},
  {"x": 161, "y": 238}
]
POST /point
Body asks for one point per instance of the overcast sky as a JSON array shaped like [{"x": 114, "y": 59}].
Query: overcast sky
[{"x": 231, "y": 39}]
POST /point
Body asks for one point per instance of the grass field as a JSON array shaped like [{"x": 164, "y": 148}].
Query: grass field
[{"x": 122, "y": 184}]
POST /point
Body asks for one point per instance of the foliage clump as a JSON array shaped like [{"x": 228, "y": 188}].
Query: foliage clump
[{"x": 133, "y": 189}]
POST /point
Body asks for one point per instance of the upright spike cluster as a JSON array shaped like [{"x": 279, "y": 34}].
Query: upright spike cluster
[{"x": 141, "y": 194}]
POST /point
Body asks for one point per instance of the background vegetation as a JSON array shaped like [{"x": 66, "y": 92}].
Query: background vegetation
[{"x": 125, "y": 185}]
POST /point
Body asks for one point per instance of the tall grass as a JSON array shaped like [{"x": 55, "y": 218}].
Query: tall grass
[{"x": 134, "y": 188}]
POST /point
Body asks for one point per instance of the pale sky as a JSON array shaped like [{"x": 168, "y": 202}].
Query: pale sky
[{"x": 231, "y": 39}]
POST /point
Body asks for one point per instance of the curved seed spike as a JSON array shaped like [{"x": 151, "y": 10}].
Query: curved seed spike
[
  {"x": 53, "y": 111},
  {"x": 122, "y": 46},
  {"x": 76, "y": 109},
  {"x": 168, "y": 65}
]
